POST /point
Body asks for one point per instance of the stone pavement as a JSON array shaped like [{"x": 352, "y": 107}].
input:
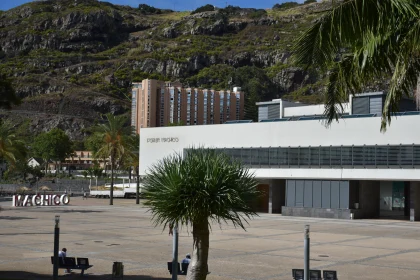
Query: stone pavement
[{"x": 269, "y": 249}]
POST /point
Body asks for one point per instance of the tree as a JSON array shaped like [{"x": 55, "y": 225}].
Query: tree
[
  {"x": 196, "y": 189},
  {"x": 53, "y": 145},
  {"x": 11, "y": 148},
  {"x": 115, "y": 143},
  {"x": 7, "y": 94},
  {"x": 360, "y": 42},
  {"x": 147, "y": 10},
  {"x": 285, "y": 5},
  {"x": 205, "y": 8}
]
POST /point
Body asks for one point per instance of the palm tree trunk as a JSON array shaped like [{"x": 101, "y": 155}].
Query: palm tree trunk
[
  {"x": 198, "y": 268},
  {"x": 111, "y": 195}
]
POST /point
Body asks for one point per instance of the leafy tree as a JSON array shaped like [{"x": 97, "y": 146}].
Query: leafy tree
[
  {"x": 205, "y": 8},
  {"x": 258, "y": 14},
  {"x": 115, "y": 143},
  {"x": 93, "y": 143},
  {"x": 196, "y": 189},
  {"x": 53, "y": 145},
  {"x": 11, "y": 148},
  {"x": 363, "y": 41},
  {"x": 147, "y": 10},
  {"x": 285, "y": 6},
  {"x": 309, "y": 2},
  {"x": 8, "y": 96},
  {"x": 216, "y": 76},
  {"x": 257, "y": 87},
  {"x": 230, "y": 10},
  {"x": 180, "y": 123}
]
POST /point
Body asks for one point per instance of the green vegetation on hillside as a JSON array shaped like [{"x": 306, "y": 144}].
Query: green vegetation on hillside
[{"x": 57, "y": 52}]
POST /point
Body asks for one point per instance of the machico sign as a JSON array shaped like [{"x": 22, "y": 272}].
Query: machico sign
[{"x": 40, "y": 200}]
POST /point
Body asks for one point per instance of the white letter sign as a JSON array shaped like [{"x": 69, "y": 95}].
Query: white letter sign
[{"x": 40, "y": 200}]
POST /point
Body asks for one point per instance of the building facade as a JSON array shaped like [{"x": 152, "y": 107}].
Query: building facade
[
  {"x": 157, "y": 103},
  {"x": 349, "y": 169},
  {"x": 82, "y": 160}
]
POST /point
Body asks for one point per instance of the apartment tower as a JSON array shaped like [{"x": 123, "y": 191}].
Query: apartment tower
[{"x": 157, "y": 103}]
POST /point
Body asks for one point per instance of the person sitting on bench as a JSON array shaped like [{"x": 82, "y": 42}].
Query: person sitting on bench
[
  {"x": 62, "y": 254},
  {"x": 187, "y": 259}
]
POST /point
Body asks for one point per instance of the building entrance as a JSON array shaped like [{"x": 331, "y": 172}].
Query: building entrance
[{"x": 394, "y": 200}]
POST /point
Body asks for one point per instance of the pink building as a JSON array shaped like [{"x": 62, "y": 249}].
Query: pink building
[{"x": 157, "y": 103}]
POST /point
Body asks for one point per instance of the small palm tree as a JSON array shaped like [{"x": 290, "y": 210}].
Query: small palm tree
[
  {"x": 360, "y": 42},
  {"x": 195, "y": 190},
  {"x": 11, "y": 148},
  {"x": 114, "y": 135}
]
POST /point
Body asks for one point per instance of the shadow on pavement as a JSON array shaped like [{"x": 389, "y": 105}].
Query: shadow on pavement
[
  {"x": 15, "y": 218},
  {"x": 23, "y": 275}
]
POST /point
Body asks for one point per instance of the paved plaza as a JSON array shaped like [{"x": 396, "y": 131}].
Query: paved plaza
[{"x": 269, "y": 249}]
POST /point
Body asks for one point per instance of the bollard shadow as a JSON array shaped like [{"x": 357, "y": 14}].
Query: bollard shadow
[{"x": 23, "y": 275}]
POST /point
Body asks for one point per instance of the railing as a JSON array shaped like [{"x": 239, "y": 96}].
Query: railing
[{"x": 375, "y": 156}]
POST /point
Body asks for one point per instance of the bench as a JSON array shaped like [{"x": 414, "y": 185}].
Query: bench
[
  {"x": 70, "y": 263},
  {"x": 298, "y": 274},
  {"x": 182, "y": 268}
]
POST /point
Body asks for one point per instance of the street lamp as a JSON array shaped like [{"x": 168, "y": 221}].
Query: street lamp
[
  {"x": 306, "y": 251},
  {"x": 137, "y": 190},
  {"x": 175, "y": 253},
  {"x": 56, "y": 245}
]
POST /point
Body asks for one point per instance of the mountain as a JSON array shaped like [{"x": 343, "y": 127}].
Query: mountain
[{"x": 73, "y": 60}]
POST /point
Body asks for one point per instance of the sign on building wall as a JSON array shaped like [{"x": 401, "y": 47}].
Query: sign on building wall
[
  {"x": 40, "y": 200},
  {"x": 163, "y": 140}
]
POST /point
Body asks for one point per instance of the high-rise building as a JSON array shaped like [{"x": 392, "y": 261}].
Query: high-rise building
[{"x": 158, "y": 103}]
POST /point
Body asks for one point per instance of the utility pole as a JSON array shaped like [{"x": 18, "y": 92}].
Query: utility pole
[
  {"x": 56, "y": 246},
  {"x": 306, "y": 250}
]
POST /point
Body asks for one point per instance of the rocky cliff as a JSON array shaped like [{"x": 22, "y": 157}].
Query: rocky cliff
[{"x": 73, "y": 60}]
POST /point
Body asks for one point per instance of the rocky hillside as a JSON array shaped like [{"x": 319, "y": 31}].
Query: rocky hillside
[{"x": 73, "y": 60}]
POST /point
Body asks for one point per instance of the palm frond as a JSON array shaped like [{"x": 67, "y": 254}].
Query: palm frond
[{"x": 346, "y": 26}]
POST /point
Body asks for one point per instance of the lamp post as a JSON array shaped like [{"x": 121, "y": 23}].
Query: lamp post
[
  {"x": 137, "y": 189},
  {"x": 306, "y": 250},
  {"x": 175, "y": 253},
  {"x": 56, "y": 244}
]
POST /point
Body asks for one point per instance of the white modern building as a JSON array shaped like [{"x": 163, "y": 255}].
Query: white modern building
[{"x": 348, "y": 170}]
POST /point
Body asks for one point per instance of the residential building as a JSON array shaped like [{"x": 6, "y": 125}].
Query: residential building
[
  {"x": 82, "y": 160},
  {"x": 157, "y": 103},
  {"x": 349, "y": 169},
  {"x": 35, "y": 162}
]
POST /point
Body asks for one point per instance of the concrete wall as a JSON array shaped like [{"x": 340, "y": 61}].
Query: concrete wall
[
  {"x": 359, "y": 131},
  {"x": 386, "y": 195},
  {"x": 317, "y": 212},
  {"x": 309, "y": 110}
]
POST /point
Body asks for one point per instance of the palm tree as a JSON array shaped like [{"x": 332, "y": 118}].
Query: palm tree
[
  {"x": 113, "y": 135},
  {"x": 195, "y": 190},
  {"x": 11, "y": 148},
  {"x": 360, "y": 42}
]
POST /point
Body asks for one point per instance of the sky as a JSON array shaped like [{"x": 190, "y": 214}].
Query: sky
[{"x": 178, "y": 5}]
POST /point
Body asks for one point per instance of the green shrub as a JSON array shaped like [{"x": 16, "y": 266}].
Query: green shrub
[
  {"x": 205, "y": 8},
  {"x": 258, "y": 14},
  {"x": 285, "y": 6},
  {"x": 148, "y": 10}
]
